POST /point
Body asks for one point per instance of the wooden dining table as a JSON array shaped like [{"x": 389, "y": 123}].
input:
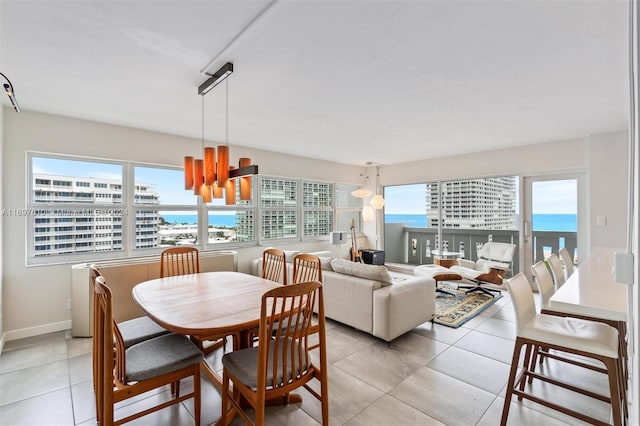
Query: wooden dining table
[{"x": 205, "y": 305}]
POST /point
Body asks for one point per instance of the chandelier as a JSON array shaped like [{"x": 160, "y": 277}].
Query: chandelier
[{"x": 212, "y": 175}]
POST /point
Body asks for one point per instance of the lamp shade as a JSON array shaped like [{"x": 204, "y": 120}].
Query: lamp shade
[
  {"x": 377, "y": 202},
  {"x": 367, "y": 213},
  {"x": 205, "y": 191},
  {"x": 361, "y": 193},
  {"x": 223, "y": 165},
  {"x": 217, "y": 190},
  {"x": 230, "y": 190},
  {"x": 245, "y": 181},
  {"x": 188, "y": 172},
  {"x": 209, "y": 165},
  {"x": 198, "y": 177}
]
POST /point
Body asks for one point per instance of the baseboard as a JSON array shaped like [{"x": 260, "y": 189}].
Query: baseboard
[{"x": 36, "y": 331}]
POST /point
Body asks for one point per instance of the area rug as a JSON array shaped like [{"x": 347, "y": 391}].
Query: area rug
[{"x": 453, "y": 311}]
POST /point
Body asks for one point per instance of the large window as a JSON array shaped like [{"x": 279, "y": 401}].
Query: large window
[
  {"x": 454, "y": 216},
  {"x": 83, "y": 208}
]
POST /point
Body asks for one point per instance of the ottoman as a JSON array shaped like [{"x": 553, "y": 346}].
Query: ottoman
[{"x": 438, "y": 273}]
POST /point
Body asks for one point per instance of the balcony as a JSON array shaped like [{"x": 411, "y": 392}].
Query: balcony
[{"x": 413, "y": 246}]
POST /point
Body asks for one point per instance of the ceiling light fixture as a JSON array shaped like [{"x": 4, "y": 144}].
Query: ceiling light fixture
[
  {"x": 216, "y": 78},
  {"x": 209, "y": 177},
  {"x": 8, "y": 88},
  {"x": 362, "y": 192}
]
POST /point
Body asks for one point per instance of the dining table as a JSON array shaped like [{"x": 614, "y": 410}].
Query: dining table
[{"x": 205, "y": 305}]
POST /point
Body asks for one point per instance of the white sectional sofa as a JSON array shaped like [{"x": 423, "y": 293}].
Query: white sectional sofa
[{"x": 371, "y": 298}]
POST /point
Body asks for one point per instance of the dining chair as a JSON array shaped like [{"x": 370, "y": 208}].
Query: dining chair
[
  {"x": 567, "y": 261},
  {"x": 556, "y": 270},
  {"x": 589, "y": 339},
  {"x": 274, "y": 265},
  {"x": 306, "y": 267},
  {"x": 544, "y": 281},
  {"x": 179, "y": 261},
  {"x": 132, "y": 331},
  {"x": 281, "y": 362},
  {"x": 148, "y": 365},
  {"x": 184, "y": 261}
]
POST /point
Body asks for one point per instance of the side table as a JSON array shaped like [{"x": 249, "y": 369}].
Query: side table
[{"x": 445, "y": 258}]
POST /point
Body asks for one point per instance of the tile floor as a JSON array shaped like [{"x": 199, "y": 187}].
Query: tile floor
[{"x": 433, "y": 375}]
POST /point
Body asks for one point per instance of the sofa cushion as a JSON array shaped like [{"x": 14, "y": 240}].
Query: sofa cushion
[
  {"x": 289, "y": 254},
  {"x": 372, "y": 272}
]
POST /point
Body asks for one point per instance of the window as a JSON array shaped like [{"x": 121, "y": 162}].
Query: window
[
  {"x": 279, "y": 202},
  {"x": 82, "y": 207},
  {"x": 62, "y": 205},
  {"x": 317, "y": 209}
]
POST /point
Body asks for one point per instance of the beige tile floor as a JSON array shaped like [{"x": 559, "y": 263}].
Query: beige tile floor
[{"x": 433, "y": 375}]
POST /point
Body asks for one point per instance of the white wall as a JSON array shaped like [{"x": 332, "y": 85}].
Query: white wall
[
  {"x": 603, "y": 157},
  {"x": 35, "y": 298}
]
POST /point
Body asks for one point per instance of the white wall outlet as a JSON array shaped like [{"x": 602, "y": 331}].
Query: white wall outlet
[
  {"x": 601, "y": 221},
  {"x": 69, "y": 304}
]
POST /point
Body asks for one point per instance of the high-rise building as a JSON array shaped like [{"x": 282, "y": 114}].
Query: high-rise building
[
  {"x": 59, "y": 230},
  {"x": 484, "y": 203}
]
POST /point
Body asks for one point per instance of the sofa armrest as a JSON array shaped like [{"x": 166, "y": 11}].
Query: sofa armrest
[{"x": 402, "y": 306}]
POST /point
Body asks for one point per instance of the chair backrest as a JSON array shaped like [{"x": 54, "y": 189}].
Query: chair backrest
[
  {"x": 544, "y": 281},
  {"x": 274, "y": 265},
  {"x": 109, "y": 337},
  {"x": 179, "y": 261},
  {"x": 567, "y": 260},
  {"x": 306, "y": 267},
  {"x": 283, "y": 351},
  {"x": 556, "y": 270},
  {"x": 522, "y": 298},
  {"x": 497, "y": 252}
]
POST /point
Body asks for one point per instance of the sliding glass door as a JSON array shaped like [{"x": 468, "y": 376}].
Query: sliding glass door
[{"x": 551, "y": 217}]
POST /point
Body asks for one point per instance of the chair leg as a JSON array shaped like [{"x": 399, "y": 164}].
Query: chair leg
[
  {"x": 225, "y": 398},
  {"x": 517, "y": 348},
  {"x": 196, "y": 394},
  {"x": 614, "y": 389}
]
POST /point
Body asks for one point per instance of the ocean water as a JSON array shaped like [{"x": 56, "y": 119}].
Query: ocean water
[
  {"x": 214, "y": 219},
  {"x": 541, "y": 222}
]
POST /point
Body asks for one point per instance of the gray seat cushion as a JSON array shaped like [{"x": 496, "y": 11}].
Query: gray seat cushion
[
  {"x": 244, "y": 365},
  {"x": 160, "y": 355},
  {"x": 139, "y": 329}
]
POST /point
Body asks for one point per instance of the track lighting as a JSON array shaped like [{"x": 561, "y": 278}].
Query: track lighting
[{"x": 8, "y": 88}]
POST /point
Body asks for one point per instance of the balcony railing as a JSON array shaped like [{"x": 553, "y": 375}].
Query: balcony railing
[{"x": 413, "y": 246}]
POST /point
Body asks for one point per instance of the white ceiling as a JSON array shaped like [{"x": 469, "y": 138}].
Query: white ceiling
[{"x": 347, "y": 81}]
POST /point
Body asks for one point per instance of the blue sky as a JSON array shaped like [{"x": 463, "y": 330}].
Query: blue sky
[{"x": 550, "y": 197}]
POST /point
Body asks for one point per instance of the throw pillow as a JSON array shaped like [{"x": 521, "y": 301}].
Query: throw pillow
[
  {"x": 362, "y": 270},
  {"x": 289, "y": 254}
]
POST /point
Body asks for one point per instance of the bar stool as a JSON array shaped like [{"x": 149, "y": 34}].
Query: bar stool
[
  {"x": 544, "y": 281},
  {"x": 570, "y": 335}
]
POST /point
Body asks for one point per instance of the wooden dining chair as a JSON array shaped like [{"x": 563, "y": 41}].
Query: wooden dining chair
[
  {"x": 306, "y": 267},
  {"x": 179, "y": 261},
  {"x": 589, "y": 339},
  {"x": 567, "y": 261},
  {"x": 184, "y": 261},
  {"x": 281, "y": 362},
  {"x": 274, "y": 265},
  {"x": 132, "y": 331},
  {"x": 142, "y": 367},
  {"x": 556, "y": 270}
]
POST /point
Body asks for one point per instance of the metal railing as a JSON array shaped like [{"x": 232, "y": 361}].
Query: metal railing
[{"x": 414, "y": 246}]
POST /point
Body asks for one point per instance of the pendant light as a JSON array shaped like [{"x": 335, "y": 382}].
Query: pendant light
[
  {"x": 212, "y": 175},
  {"x": 362, "y": 192},
  {"x": 245, "y": 181},
  {"x": 377, "y": 202}
]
